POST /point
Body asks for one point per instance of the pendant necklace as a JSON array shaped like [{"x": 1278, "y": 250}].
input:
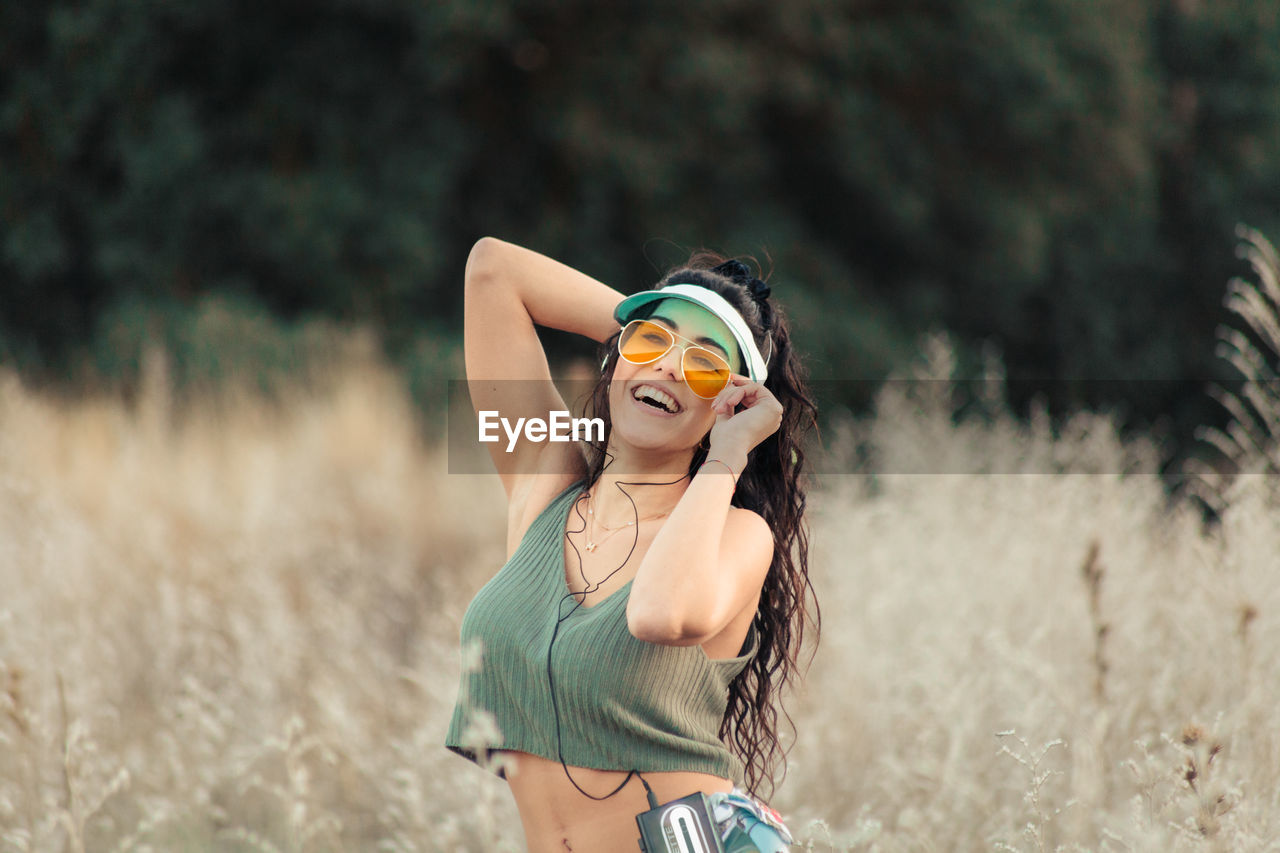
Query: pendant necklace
[{"x": 592, "y": 542}]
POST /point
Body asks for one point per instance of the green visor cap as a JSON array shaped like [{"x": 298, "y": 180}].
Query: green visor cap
[{"x": 757, "y": 367}]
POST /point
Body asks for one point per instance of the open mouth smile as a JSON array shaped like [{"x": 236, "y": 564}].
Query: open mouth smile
[{"x": 655, "y": 399}]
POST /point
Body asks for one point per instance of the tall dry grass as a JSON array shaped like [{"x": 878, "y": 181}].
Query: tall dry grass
[
  {"x": 233, "y": 626},
  {"x": 1011, "y": 659}
]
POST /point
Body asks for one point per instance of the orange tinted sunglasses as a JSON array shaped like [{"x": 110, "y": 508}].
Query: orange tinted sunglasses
[{"x": 705, "y": 372}]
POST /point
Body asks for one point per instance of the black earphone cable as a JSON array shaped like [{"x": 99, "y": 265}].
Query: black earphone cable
[{"x": 561, "y": 617}]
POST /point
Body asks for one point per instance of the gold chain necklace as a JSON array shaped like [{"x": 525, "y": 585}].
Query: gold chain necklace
[{"x": 592, "y": 542}]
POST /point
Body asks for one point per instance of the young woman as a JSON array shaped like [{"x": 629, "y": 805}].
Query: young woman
[{"x": 653, "y": 602}]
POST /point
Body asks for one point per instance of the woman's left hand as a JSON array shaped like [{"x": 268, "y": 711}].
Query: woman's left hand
[{"x": 759, "y": 419}]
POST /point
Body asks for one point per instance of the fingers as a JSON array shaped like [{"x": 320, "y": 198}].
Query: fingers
[{"x": 739, "y": 391}]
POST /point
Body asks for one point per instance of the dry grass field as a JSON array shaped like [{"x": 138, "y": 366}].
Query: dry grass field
[{"x": 231, "y": 625}]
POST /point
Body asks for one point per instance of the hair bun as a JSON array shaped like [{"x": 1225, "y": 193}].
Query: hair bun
[
  {"x": 740, "y": 273},
  {"x": 734, "y": 269}
]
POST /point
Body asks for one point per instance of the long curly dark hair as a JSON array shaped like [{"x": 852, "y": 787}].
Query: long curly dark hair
[{"x": 773, "y": 484}]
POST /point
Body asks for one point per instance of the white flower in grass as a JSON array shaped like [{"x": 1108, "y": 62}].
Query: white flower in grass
[
  {"x": 481, "y": 732},
  {"x": 472, "y": 656}
]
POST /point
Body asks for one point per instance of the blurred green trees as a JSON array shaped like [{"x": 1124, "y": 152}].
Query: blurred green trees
[{"x": 1061, "y": 176}]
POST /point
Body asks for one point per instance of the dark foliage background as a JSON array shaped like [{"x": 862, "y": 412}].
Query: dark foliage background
[{"x": 1061, "y": 177}]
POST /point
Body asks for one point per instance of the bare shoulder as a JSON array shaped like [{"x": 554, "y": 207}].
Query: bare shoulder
[
  {"x": 747, "y": 543},
  {"x": 750, "y": 526}
]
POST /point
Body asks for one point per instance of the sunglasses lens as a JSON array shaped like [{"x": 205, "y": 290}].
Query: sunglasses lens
[
  {"x": 705, "y": 372},
  {"x": 642, "y": 342}
]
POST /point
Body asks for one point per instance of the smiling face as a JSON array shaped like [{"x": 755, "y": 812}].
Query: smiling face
[{"x": 651, "y": 427}]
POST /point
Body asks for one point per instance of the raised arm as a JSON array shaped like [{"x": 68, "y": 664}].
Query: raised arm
[{"x": 509, "y": 289}]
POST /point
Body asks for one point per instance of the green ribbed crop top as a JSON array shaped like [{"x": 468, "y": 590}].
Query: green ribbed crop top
[{"x": 624, "y": 703}]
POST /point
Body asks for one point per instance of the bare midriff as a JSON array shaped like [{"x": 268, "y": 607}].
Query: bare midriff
[{"x": 558, "y": 818}]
